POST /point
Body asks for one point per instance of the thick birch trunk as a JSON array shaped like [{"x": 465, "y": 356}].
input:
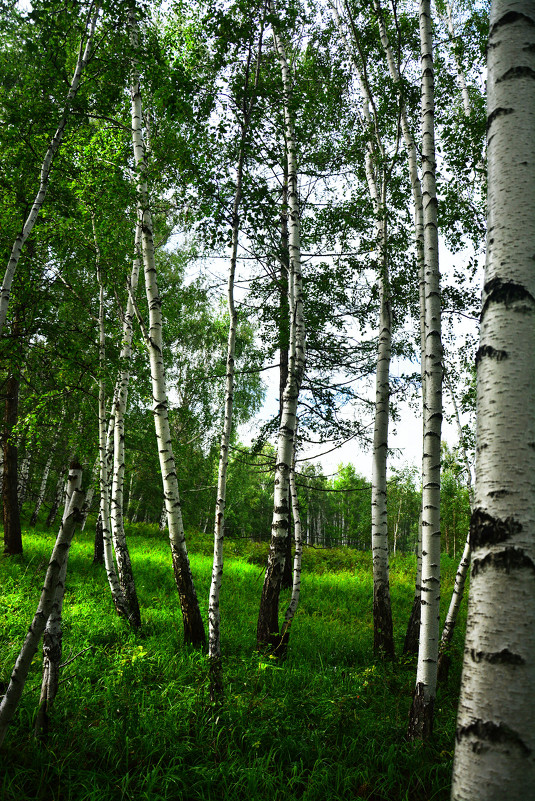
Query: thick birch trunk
[
  {"x": 12, "y": 529},
  {"x": 46, "y": 167},
  {"x": 193, "y": 624},
  {"x": 124, "y": 566},
  {"x": 52, "y": 637},
  {"x": 268, "y": 618},
  {"x": 495, "y": 738},
  {"x": 421, "y": 714},
  {"x": 10, "y": 700}
]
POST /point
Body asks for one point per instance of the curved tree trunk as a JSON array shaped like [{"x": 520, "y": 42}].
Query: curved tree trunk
[
  {"x": 495, "y": 738},
  {"x": 193, "y": 624}
]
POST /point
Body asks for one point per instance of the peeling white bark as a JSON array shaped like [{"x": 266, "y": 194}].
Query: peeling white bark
[{"x": 495, "y": 739}]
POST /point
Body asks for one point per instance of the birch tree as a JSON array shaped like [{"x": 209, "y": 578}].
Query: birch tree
[
  {"x": 214, "y": 618},
  {"x": 267, "y": 633},
  {"x": 193, "y": 624},
  {"x": 59, "y": 555},
  {"x": 495, "y": 738},
  {"x": 421, "y": 713}
]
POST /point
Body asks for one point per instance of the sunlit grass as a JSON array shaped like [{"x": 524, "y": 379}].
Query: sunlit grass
[{"x": 133, "y": 718}]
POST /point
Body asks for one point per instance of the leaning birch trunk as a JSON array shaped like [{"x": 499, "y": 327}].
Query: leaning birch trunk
[
  {"x": 59, "y": 555},
  {"x": 46, "y": 167},
  {"x": 193, "y": 624},
  {"x": 421, "y": 713},
  {"x": 495, "y": 738},
  {"x": 383, "y": 634},
  {"x": 104, "y": 511},
  {"x": 267, "y": 633},
  {"x": 124, "y": 565},
  {"x": 52, "y": 637},
  {"x": 298, "y": 556}
]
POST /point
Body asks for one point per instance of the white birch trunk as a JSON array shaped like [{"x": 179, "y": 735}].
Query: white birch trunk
[
  {"x": 214, "y": 617},
  {"x": 46, "y": 471},
  {"x": 298, "y": 556},
  {"x": 24, "y": 475},
  {"x": 59, "y": 555},
  {"x": 52, "y": 637},
  {"x": 495, "y": 738},
  {"x": 421, "y": 714},
  {"x": 124, "y": 566},
  {"x": 382, "y": 611},
  {"x": 46, "y": 166},
  {"x": 193, "y": 624},
  {"x": 115, "y": 588},
  {"x": 268, "y": 618}
]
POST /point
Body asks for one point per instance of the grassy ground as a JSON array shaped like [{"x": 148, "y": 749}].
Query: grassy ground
[{"x": 133, "y": 719}]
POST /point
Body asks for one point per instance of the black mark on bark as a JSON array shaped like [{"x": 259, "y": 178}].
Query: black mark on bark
[
  {"x": 488, "y": 733},
  {"x": 488, "y": 530}
]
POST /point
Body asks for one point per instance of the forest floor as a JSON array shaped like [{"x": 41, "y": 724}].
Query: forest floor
[{"x": 133, "y": 718}]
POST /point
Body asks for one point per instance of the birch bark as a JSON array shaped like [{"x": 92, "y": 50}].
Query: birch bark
[
  {"x": 19, "y": 675},
  {"x": 421, "y": 713},
  {"x": 124, "y": 565},
  {"x": 46, "y": 167},
  {"x": 383, "y": 636},
  {"x": 117, "y": 594},
  {"x": 214, "y": 617},
  {"x": 52, "y": 637},
  {"x": 193, "y": 624},
  {"x": 267, "y": 633},
  {"x": 495, "y": 738}
]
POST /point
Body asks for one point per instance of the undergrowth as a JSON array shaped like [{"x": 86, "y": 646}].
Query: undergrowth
[{"x": 133, "y": 719}]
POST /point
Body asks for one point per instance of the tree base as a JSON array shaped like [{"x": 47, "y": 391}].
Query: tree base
[{"x": 421, "y": 715}]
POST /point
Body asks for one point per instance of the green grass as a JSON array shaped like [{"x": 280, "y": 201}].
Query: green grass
[{"x": 133, "y": 718}]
